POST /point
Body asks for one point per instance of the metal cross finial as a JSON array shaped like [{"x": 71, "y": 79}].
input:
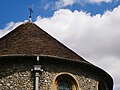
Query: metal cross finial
[{"x": 31, "y": 11}]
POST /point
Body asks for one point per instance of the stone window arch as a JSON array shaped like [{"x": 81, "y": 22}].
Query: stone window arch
[{"x": 65, "y": 81}]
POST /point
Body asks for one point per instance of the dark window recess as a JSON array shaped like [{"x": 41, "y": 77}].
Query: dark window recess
[{"x": 64, "y": 85}]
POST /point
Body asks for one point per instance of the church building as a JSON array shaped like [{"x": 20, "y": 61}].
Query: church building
[{"x": 31, "y": 59}]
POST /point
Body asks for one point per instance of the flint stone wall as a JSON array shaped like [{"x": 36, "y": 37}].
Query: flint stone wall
[{"x": 18, "y": 76}]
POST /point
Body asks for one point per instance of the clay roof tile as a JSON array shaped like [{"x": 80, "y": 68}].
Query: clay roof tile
[{"x": 29, "y": 39}]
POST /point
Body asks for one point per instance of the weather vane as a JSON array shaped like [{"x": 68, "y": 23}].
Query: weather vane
[{"x": 31, "y": 11}]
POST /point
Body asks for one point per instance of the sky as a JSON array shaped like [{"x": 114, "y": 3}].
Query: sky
[{"x": 91, "y": 28}]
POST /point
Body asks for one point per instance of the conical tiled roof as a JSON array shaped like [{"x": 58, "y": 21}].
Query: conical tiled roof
[{"x": 29, "y": 39}]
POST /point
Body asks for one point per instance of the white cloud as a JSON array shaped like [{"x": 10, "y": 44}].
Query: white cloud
[
  {"x": 99, "y": 1},
  {"x": 62, "y": 3},
  {"x": 68, "y": 2},
  {"x": 59, "y": 4},
  {"x": 96, "y": 38}
]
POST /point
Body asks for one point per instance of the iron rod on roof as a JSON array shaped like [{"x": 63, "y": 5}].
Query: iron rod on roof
[{"x": 31, "y": 11}]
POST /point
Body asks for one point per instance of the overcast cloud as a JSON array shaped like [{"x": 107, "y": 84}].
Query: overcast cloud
[{"x": 95, "y": 38}]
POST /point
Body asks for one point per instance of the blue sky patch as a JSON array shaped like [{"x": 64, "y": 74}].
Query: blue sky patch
[{"x": 17, "y": 10}]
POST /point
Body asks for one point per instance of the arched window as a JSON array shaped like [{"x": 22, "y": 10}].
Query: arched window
[{"x": 65, "y": 81}]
